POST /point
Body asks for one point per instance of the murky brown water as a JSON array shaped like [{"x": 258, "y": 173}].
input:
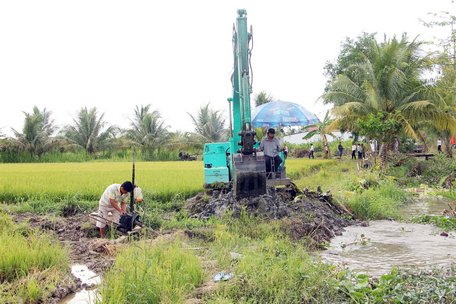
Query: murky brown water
[
  {"x": 384, "y": 244},
  {"x": 424, "y": 204}
]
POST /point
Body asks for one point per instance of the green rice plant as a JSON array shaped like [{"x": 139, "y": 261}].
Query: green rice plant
[
  {"x": 162, "y": 273},
  {"x": 160, "y": 180},
  {"x": 31, "y": 263},
  {"x": 19, "y": 254}
]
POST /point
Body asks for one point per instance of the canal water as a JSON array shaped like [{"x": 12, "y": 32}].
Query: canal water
[{"x": 381, "y": 245}]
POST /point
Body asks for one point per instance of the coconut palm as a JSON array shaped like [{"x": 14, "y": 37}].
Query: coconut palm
[
  {"x": 322, "y": 129},
  {"x": 35, "y": 136},
  {"x": 209, "y": 125},
  {"x": 89, "y": 130},
  {"x": 148, "y": 130},
  {"x": 262, "y": 98},
  {"x": 386, "y": 81}
]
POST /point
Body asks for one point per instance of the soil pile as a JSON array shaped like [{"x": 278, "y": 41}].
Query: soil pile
[{"x": 305, "y": 214}]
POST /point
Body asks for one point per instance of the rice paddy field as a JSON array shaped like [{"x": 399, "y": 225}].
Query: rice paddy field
[{"x": 86, "y": 181}]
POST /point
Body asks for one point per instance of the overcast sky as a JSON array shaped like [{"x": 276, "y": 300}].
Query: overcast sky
[{"x": 177, "y": 55}]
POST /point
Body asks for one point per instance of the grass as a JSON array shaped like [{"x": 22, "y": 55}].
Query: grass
[
  {"x": 31, "y": 263},
  {"x": 163, "y": 273},
  {"x": 380, "y": 202},
  {"x": 447, "y": 223},
  {"x": 270, "y": 268}
]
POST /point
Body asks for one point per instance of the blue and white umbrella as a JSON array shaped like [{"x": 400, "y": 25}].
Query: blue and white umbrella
[{"x": 282, "y": 113}]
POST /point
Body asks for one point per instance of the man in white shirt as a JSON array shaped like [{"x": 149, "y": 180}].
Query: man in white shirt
[
  {"x": 113, "y": 200},
  {"x": 439, "y": 145},
  {"x": 312, "y": 150}
]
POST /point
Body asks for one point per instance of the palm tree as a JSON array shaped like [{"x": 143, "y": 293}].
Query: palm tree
[
  {"x": 209, "y": 125},
  {"x": 35, "y": 136},
  {"x": 322, "y": 129},
  {"x": 262, "y": 98},
  {"x": 89, "y": 130},
  {"x": 148, "y": 130},
  {"x": 387, "y": 81}
]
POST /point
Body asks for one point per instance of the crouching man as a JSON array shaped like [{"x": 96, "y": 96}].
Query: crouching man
[{"x": 114, "y": 200}]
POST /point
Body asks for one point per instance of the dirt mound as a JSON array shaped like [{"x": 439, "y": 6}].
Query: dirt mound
[{"x": 313, "y": 215}]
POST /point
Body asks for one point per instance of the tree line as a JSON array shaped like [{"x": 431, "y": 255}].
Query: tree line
[{"x": 379, "y": 90}]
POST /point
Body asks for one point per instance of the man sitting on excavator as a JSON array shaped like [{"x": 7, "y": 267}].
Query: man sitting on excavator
[{"x": 271, "y": 148}]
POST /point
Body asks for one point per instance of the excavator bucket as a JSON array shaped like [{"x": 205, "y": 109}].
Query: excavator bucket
[{"x": 249, "y": 175}]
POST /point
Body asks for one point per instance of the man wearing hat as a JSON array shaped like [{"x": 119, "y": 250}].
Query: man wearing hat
[{"x": 271, "y": 148}]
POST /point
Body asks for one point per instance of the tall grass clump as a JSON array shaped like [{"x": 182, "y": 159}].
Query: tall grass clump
[
  {"x": 162, "y": 273},
  {"x": 23, "y": 251},
  {"x": 270, "y": 269},
  {"x": 31, "y": 263},
  {"x": 378, "y": 202}
]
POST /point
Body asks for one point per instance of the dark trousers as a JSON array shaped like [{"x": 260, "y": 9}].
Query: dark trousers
[
  {"x": 311, "y": 154},
  {"x": 277, "y": 162},
  {"x": 353, "y": 154}
]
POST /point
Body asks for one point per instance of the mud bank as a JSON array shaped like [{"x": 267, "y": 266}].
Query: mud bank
[
  {"x": 85, "y": 248},
  {"x": 305, "y": 214}
]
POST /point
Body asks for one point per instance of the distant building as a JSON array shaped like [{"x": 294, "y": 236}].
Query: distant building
[{"x": 297, "y": 138}]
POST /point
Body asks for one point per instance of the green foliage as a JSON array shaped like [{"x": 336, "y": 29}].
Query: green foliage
[
  {"x": 411, "y": 171},
  {"x": 379, "y": 125},
  {"x": 31, "y": 263},
  {"x": 379, "y": 202},
  {"x": 446, "y": 223},
  {"x": 209, "y": 125},
  {"x": 148, "y": 131},
  {"x": 35, "y": 136},
  {"x": 271, "y": 269},
  {"x": 162, "y": 273},
  {"x": 262, "y": 98},
  {"x": 89, "y": 130},
  {"x": 426, "y": 286}
]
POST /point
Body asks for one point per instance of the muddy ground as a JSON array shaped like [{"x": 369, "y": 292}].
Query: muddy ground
[
  {"x": 307, "y": 215},
  {"x": 85, "y": 247},
  {"x": 313, "y": 215}
]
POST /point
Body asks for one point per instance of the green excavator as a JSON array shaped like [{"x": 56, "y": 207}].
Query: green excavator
[{"x": 238, "y": 161}]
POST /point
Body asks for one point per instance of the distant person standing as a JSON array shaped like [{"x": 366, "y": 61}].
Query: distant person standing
[
  {"x": 372, "y": 146},
  {"x": 340, "y": 149},
  {"x": 311, "y": 153},
  {"x": 439, "y": 145},
  {"x": 360, "y": 151},
  {"x": 353, "y": 150},
  {"x": 326, "y": 151}
]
